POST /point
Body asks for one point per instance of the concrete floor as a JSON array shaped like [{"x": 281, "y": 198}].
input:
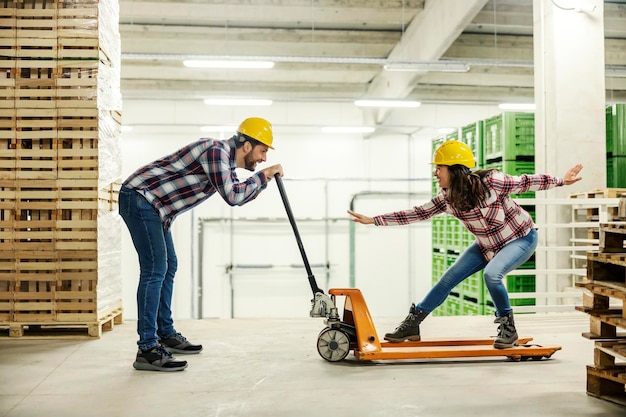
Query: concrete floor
[{"x": 271, "y": 368}]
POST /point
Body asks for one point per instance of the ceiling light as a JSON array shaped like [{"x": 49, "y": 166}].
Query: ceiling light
[
  {"x": 387, "y": 103},
  {"x": 194, "y": 63},
  {"x": 428, "y": 66},
  {"x": 517, "y": 106},
  {"x": 218, "y": 129},
  {"x": 348, "y": 129},
  {"x": 237, "y": 102}
]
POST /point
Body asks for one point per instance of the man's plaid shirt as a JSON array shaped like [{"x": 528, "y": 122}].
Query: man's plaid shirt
[
  {"x": 495, "y": 222},
  {"x": 184, "y": 179}
]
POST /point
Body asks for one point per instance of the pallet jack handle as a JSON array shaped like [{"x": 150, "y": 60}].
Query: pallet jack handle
[{"x": 292, "y": 220}]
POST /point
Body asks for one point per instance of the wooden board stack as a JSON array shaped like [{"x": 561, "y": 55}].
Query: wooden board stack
[{"x": 60, "y": 166}]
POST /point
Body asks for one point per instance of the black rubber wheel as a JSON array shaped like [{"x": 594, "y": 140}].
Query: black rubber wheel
[{"x": 333, "y": 344}]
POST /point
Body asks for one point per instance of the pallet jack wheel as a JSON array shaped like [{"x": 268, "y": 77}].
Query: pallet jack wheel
[{"x": 333, "y": 344}]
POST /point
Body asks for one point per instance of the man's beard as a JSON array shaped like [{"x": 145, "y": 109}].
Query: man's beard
[{"x": 249, "y": 162}]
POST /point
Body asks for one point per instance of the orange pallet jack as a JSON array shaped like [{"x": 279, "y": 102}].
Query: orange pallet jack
[{"x": 355, "y": 331}]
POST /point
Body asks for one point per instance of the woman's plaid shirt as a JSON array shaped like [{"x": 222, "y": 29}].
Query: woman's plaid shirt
[
  {"x": 495, "y": 222},
  {"x": 184, "y": 179}
]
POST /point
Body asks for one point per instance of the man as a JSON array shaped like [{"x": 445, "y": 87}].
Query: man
[{"x": 152, "y": 197}]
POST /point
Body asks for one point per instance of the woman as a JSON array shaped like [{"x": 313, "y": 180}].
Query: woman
[{"x": 506, "y": 235}]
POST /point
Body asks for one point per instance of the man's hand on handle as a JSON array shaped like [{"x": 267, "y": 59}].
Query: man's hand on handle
[{"x": 273, "y": 170}]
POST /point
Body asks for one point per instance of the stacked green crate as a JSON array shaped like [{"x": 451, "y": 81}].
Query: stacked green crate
[
  {"x": 446, "y": 241},
  {"x": 509, "y": 136},
  {"x": 616, "y": 146},
  {"x": 442, "y": 259},
  {"x": 472, "y": 135}
]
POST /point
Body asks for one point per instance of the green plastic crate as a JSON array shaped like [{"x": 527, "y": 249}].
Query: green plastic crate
[
  {"x": 618, "y": 140},
  {"x": 472, "y": 287},
  {"x": 521, "y": 283},
  {"x": 436, "y": 142},
  {"x": 453, "y": 305},
  {"x": 510, "y": 136},
  {"x": 454, "y": 135},
  {"x": 454, "y": 229},
  {"x": 609, "y": 130},
  {"x": 467, "y": 238},
  {"x": 439, "y": 265},
  {"x": 438, "y": 225},
  {"x": 616, "y": 172},
  {"x": 489, "y": 309},
  {"x": 512, "y": 166},
  {"x": 473, "y": 136},
  {"x": 471, "y": 308}
]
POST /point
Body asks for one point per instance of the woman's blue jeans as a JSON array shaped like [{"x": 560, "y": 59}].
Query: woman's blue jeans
[
  {"x": 157, "y": 266},
  {"x": 471, "y": 261}
]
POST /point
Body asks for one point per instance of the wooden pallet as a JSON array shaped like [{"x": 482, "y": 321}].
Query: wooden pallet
[
  {"x": 604, "y": 321},
  {"x": 613, "y": 237},
  {"x": 592, "y": 214},
  {"x": 607, "y": 384},
  {"x": 63, "y": 330},
  {"x": 606, "y": 267},
  {"x": 600, "y": 193}
]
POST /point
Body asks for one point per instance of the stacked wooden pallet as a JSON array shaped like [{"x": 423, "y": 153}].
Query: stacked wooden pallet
[
  {"x": 59, "y": 165},
  {"x": 604, "y": 299},
  {"x": 595, "y": 214}
]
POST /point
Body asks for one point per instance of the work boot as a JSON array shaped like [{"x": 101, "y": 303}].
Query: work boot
[
  {"x": 409, "y": 329},
  {"x": 507, "y": 335}
]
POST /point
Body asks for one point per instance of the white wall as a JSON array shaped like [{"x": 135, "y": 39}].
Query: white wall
[{"x": 322, "y": 175}]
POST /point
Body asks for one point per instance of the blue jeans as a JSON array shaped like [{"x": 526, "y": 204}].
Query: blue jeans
[
  {"x": 471, "y": 261},
  {"x": 157, "y": 266}
]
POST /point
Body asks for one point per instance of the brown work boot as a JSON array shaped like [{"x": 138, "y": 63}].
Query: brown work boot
[{"x": 409, "y": 329}]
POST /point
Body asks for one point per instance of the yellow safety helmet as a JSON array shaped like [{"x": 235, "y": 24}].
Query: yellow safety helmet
[
  {"x": 453, "y": 152},
  {"x": 258, "y": 129}
]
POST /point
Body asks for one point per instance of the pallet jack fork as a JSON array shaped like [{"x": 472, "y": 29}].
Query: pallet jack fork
[{"x": 355, "y": 330}]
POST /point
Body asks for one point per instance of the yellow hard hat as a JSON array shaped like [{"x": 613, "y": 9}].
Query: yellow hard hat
[
  {"x": 258, "y": 129},
  {"x": 454, "y": 152}
]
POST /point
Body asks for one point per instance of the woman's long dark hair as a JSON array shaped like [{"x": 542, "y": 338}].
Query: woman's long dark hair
[{"x": 467, "y": 188}]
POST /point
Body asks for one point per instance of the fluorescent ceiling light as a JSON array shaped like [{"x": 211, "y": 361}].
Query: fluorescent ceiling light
[
  {"x": 428, "y": 66},
  {"x": 228, "y": 64},
  {"x": 348, "y": 129},
  {"x": 517, "y": 106},
  {"x": 446, "y": 130},
  {"x": 237, "y": 102},
  {"x": 218, "y": 129},
  {"x": 387, "y": 103}
]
